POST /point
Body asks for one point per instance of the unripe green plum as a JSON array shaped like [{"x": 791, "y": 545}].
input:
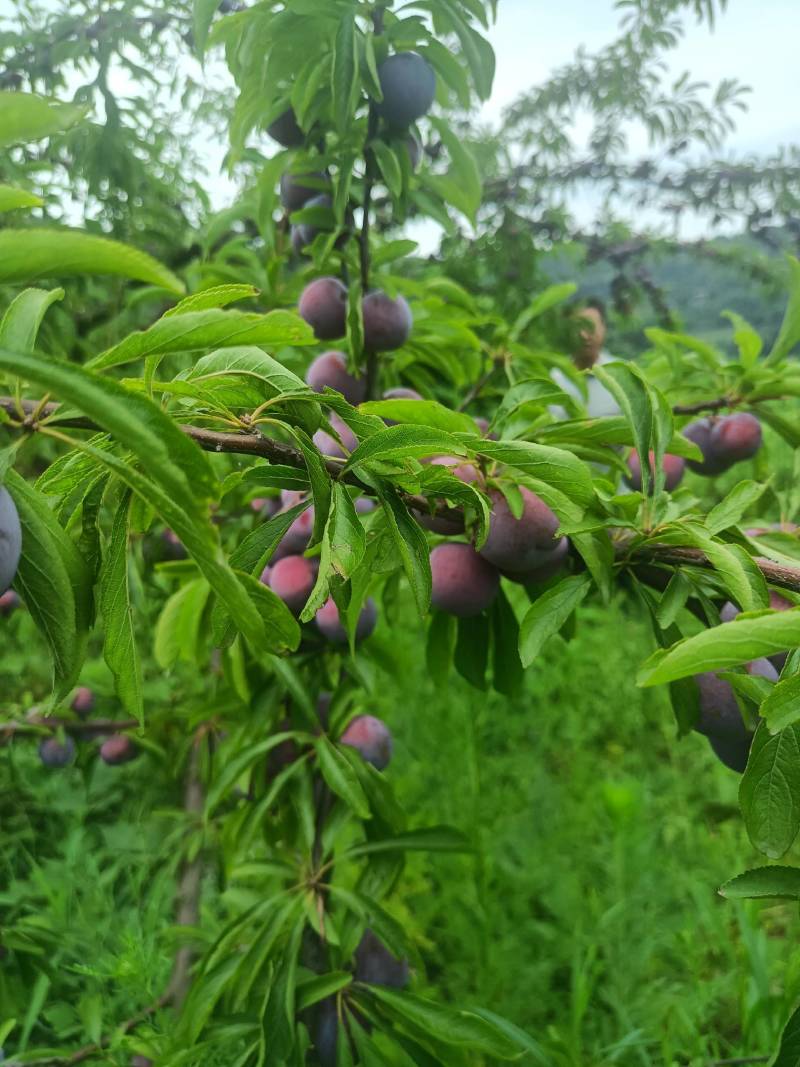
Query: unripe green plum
[
  {"x": 673, "y": 471},
  {"x": 286, "y": 131},
  {"x": 329, "y": 446},
  {"x": 371, "y": 738},
  {"x": 83, "y": 702},
  {"x": 10, "y": 540},
  {"x": 464, "y": 584},
  {"x": 516, "y": 545},
  {"x": 323, "y": 305},
  {"x": 292, "y": 579},
  {"x": 55, "y": 753},
  {"x": 330, "y": 626},
  {"x": 387, "y": 322},
  {"x": 295, "y": 193},
  {"x": 376, "y": 965},
  {"x": 330, "y": 370},
  {"x": 118, "y": 748},
  {"x": 408, "y": 83}
]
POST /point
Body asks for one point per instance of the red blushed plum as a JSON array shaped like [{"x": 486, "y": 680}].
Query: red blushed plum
[
  {"x": 286, "y": 131},
  {"x": 9, "y": 602},
  {"x": 371, "y": 738},
  {"x": 330, "y": 369},
  {"x": 323, "y": 305},
  {"x": 376, "y": 965},
  {"x": 387, "y": 322},
  {"x": 700, "y": 432},
  {"x": 292, "y": 579},
  {"x": 55, "y": 753},
  {"x": 550, "y": 564},
  {"x": 295, "y": 541},
  {"x": 736, "y": 437},
  {"x": 83, "y": 702},
  {"x": 516, "y": 545},
  {"x": 329, "y": 446},
  {"x": 464, "y": 584},
  {"x": 673, "y": 471},
  {"x": 118, "y": 748},
  {"x": 264, "y": 576},
  {"x": 729, "y": 611},
  {"x": 719, "y": 713},
  {"x": 291, "y": 498},
  {"x": 298, "y": 189},
  {"x": 10, "y": 540},
  {"x": 408, "y": 83},
  {"x": 330, "y": 626}
]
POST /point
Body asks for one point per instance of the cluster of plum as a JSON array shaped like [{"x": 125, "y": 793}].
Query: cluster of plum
[
  {"x": 723, "y": 439},
  {"x": 57, "y": 752}
]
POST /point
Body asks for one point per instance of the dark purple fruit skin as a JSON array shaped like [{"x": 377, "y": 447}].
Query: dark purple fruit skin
[
  {"x": 83, "y": 702},
  {"x": 370, "y": 737},
  {"x": 464, "y": 584},
  {"x": 409, "y": 87},
  {"x": 329, "y": 446},
  {"x": 323, "y": 304},
  {"x": 376, "y": 965},
  {"x": 732, "y": 751},
  {"x": 9, "y": 602},
  {"x": 118, "y": 749},
  {"x": 387, "y": 322},
  {"x": 303, "y": 233},
  {"x": 55, "y": 753},
  {"x": 517, "y": 545},
  {"x": 326, "y": 1033},
  {"x": 329, "y": 625},
  {"x": 719, "y": 712},
  {"x": 550, "y": 564},
  {"x": 285, "y": 130},
  {"x": 736, "y": 437},
  {"x": 10, "y": 540},
  {"x": 295, "y": 194},
  {"x": 700, "y": 432},
  {"x": 330, "y": 370}
]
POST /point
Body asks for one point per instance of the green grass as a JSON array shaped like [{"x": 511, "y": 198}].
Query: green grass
[{"x": 590, "y": 916}]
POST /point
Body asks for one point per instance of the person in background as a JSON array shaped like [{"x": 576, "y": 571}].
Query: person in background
[{"x": 588, "y": 352}]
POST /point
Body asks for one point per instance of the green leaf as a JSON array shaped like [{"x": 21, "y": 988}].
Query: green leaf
[
  {"x": 440, "y": 647},
  {"x": 203, "y": 13},
  {"x": 343, "y": 547},
  {"x": 421, "y": 413},
  {"x": 731, "y": 510},
  {"x": 769, "y": 793},
  {"x": 452, "y": 1026},
  {"x": 213, "y": 328},
  {"x": 26, "y": 255},
  {"x": 747, "y": 340},
  {"x": 11, "y": 199},
  {"x": 782, "y": 706},
  {"x": 555, "y": 467},
  {"x": 550, "y": 297},
  {"x": 340, "y": 777},
  {"x": 238, "y": 765},
  {"x": 430, "y": 839},
  {"x": 27, "y": 117},
  {"x": 471, "y": 655},
  {"x": 789, "y": 333},
  {"x": 177, "y": 633},
  {"x": 548, "y": 613},
  {"x": 216, "y": 297},
  {"x": 630, "y": 391},
  {"x": 344, "y": 73},
  {"x": 389, "y": 167},
  {"x": 463, "y": 172},
  {"x": 782, "y": 882},
  {"x": 744, "y": 639},
  {"x": 411, "y": 544},
  {"x": 21, "y": 322},
  {"x": 398, "y": 442},
  {"x": 788, "y": 1054},
  {"x": 54, "y": 582},
  {"x": 119, "y": 642},
  {"x": 312, "y": 990},
  {"x": 507, "y": 670}
]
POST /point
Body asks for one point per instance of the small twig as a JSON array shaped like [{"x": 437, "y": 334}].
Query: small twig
[
  {"x": 703, "y": 405},
  {"x": 36, "y": 725},
  {"x": 478, "y": 387}
]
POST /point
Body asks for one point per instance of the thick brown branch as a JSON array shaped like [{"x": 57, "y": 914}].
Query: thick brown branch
[{"x": 775, "y": 573}]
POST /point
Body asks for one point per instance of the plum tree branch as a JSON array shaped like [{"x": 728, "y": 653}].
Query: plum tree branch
[{"x": 95, "y": 727}]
